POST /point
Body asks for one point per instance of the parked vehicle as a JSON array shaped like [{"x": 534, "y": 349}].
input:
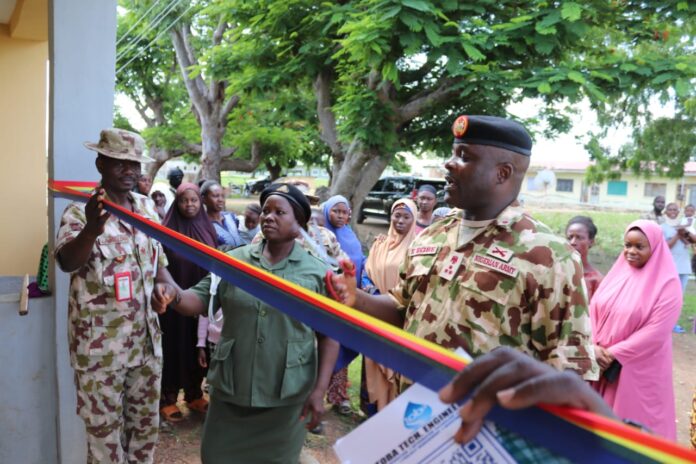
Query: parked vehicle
[
  {"x": 255, "y": 186},
  {"x": 387, "y": 190}
]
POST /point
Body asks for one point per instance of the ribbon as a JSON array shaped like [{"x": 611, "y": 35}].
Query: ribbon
[{"x": 579, "y": 435}]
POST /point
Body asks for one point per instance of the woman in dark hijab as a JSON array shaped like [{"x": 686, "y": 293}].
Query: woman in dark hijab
[{"x": 181, "y": 369}]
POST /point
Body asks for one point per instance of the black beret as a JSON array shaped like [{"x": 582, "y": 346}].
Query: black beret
[
  {"x": 494, "y": 131},
  {"x": 292, "y": 194},
  {"x": 176, "y": 172}
]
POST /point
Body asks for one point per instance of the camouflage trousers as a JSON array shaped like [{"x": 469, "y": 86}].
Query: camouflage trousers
[{"x": 120, "y": 409}]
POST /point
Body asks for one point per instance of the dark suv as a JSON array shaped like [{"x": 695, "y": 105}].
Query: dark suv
[{"x": 387, "y": 190}]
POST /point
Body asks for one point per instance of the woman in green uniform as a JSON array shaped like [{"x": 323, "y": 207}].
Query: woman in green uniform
[{"x": 269, "y": 372}]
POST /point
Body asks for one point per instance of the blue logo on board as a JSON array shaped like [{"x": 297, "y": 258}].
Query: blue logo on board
[{"x": 416, "y": 415}]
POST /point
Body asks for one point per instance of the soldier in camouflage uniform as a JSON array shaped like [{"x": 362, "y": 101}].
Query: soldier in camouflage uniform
[
  {"x": 488, "y": 275},
  {"x": 114, "y": 337}
]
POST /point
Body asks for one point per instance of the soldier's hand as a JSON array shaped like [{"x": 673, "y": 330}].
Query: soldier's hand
[
  {"x": 95, "y": 214},
  {"x": 514, "y": 380},
  {"x": 342, "y": 287},
  {"x": 162, "y": 296}
]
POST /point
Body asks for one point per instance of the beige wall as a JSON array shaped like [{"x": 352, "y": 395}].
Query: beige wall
[{"x": 23, "y": 164}]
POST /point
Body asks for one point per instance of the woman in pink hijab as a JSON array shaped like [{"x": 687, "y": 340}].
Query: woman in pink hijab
[{"x": 633, "y": 313}]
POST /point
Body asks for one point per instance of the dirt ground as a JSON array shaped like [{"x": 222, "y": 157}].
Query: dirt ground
[{"x": 180, "y": 443}]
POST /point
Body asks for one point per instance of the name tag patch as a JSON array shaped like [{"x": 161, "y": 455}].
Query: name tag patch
[
  {"x": 123, "y": 286},
  {"x": 496, "y": 265},
  {"x": 423, "y": 250}
]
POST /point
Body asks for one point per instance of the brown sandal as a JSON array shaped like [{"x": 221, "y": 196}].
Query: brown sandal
[
  {"x": 199, "y": 404},
  {"x": 171, "y": 413}
]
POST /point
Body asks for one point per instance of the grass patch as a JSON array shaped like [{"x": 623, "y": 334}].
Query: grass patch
[{"x": 354, "y": 375}]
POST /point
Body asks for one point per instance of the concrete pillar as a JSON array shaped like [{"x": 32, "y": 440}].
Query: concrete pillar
[{"x": 82, "y": 55}]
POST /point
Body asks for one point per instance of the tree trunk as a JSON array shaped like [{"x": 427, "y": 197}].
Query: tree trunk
[
  {"x": 354, "y": 178},
  {"x": 274, "y": 170},
  {"x": 211, "y": 138}
]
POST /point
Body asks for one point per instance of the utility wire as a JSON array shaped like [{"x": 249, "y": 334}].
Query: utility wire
[
  {"x": 123, "y": 37},
  {"x": 155, "y": 22},
  {"x": 164, "y": 31}
]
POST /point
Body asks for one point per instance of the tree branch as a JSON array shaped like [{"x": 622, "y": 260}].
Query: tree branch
[
  {"x": 327, "y": 120},
  {"x": 219, "y": 31},
  {"x": 228, "y": 107},
  {"x": 184, "y": 56},
  {"x": 236, "y": 164},
  {"x": 423, "y": 100},
  {"x": 142, "y": 111}
]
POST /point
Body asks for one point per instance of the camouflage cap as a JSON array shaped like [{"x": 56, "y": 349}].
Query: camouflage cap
[{"x": 120, "y": 144}]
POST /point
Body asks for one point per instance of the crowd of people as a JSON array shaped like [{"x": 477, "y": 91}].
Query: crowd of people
[{"x": 146, "y": 323}]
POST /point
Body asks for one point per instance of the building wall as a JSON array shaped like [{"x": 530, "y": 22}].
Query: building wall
[
  {"x": 629, "y": 192},
  {"x": 23, "y": 154},
  {"x": 555, "y": 194}
]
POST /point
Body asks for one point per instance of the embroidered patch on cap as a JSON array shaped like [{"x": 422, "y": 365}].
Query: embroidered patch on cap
[{"x": 461, "y": 124}]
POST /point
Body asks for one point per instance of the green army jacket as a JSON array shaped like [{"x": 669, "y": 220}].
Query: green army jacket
[{"x": 264, "y": 358}]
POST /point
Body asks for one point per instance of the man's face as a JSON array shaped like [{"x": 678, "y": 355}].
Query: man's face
[
  {"x": 470, "y": 177},
  {"x": 426, "y": 201},
  {"x": 118, "y": 175},
  {"x": 659, "y": 203}
]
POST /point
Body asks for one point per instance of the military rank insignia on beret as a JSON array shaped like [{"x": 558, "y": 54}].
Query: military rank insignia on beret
[
  {"x": 461, "y": 124},
  {"x": 492, "y": 131}
]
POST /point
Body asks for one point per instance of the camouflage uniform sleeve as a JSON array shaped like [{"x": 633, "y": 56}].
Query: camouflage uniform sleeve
[
  {"x": 560, "y": 322},
  {"x": 333, "y": 248},
  {"x": 404, "y": 290},
  {"x": 71, "y": 224},
  {"x": 162, "y": 261}
]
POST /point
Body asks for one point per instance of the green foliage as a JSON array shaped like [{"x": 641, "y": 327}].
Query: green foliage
[
  {"x": 385, "y": 53},
  {"x": 149, "y": 76},
  {"x": 399, "y": 71}
]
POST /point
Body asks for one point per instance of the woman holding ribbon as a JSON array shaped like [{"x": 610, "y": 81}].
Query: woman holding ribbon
[
  {"x": 269, "y": 371},
  {"x": 381, "y": 274},
  {"x": 179, "y": 337}
]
